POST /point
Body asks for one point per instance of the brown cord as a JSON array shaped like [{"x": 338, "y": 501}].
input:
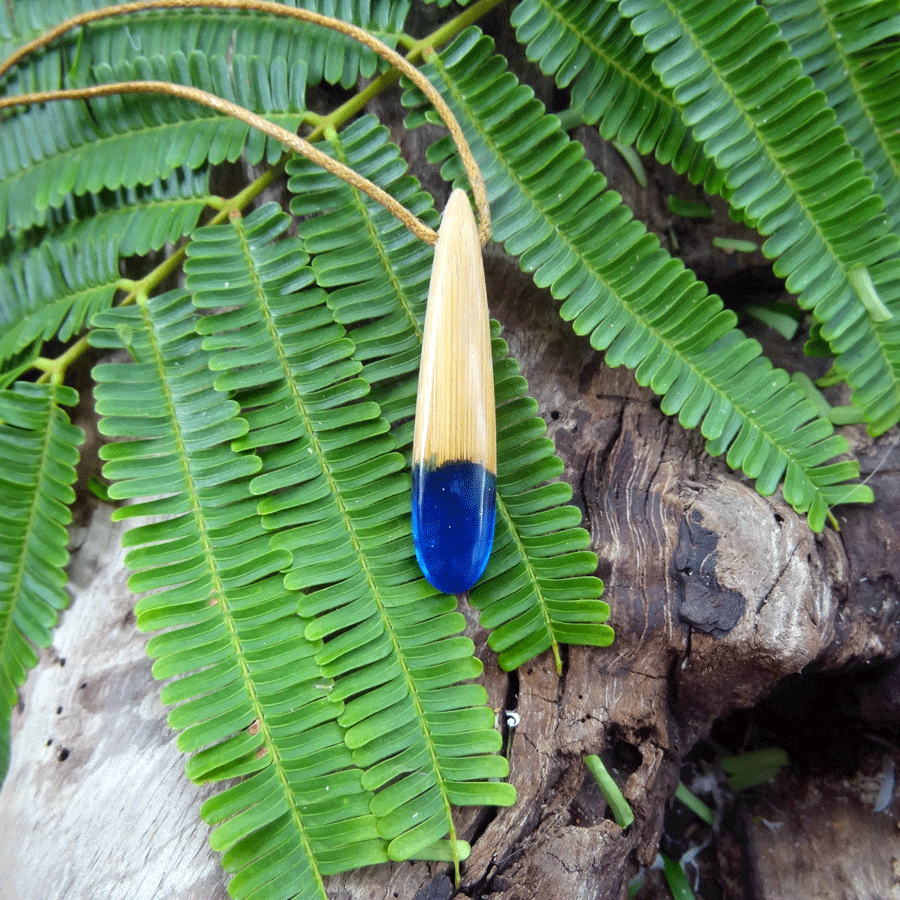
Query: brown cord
[
  {"x": 226, "y": 107},
  {"x": 276, "y": 9}
]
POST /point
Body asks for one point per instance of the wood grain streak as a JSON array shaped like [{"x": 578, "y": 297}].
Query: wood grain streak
[{"x": 455, "y": 417}]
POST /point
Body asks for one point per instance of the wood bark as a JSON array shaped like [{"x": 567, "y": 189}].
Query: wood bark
[{"x": 716, "y": 593}]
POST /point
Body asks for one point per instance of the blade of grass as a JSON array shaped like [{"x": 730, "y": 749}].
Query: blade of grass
[
  {"x": 621, "y": 811},
  {"x": 756, "y": 767},
  {"x": 676, "y": 879}
]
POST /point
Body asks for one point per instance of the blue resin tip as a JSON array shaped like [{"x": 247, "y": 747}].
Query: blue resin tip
[{"x": 453, "y": 511}]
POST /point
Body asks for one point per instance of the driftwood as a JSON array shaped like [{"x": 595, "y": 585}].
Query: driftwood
[{"x": 716, "y": 595}]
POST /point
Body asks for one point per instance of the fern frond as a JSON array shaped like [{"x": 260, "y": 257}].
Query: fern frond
[
  {"x": 135, "y": 219},
  {"x": 861, "y": 88},
  {"x": 791, "y": 171},
  {"x": 337, "y": 497},
  {"x": 38, "y": 452},
  {"x": 53, "y": 290},
  {"x": 869, "y": 37},
  {"x": 382, "y": 300},
  {"x": 552, "y": 210},
  {"x": 588, "y": 47},
  {"x": 249, "y": 698},
  {"x": 327, "y": 55},
  {"x": 51, "y": 152}
]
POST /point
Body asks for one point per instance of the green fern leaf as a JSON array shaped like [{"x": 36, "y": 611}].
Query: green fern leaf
[
  {"x": 527, "y": 606},
  {"x": 337, "y": 497},
  {"x": 249, "y": 699},
  {"x": 327, "y": 54},
  {"x": 38, "y": 452},
  {"x": 590, "y": 49},
  {"x": 51, "y": 291},
  {"x": 51, "y": 152},
  {"x": 381, "y": 298},
  {"x": 634, "y": 301},
  {"x": 136, "y": 219},
  {"x": 848, "y": 51},
  {"x": 791, "y": 171},
  {"x": 54, "y": 279}
]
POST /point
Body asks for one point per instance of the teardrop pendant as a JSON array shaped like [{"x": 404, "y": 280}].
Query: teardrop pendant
[{"x": 454, "y": 462}]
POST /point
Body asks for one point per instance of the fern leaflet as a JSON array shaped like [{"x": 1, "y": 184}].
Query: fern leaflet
[
  {"x": 819, "y": 36},
  {"x": 46, "y": 291},
  {"x": 849, "y": 50},
  {"x": 327, "y": 55},
  {"x": 249, "y": 699},
  {"x": 336, "y": 497},
  {"x": 38, "y": 452},
  {"x": 791, "y": 171},
  {"x": 135, "y": 220},
  {"x": 49, "y": 153},
  {"x": 527, "y": 602},
  {"x": 634, "y": 301},
  {"x": 590, "y": 49}
]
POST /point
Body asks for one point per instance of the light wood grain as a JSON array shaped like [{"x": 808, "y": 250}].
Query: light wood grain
[{"x": 455, "y": 418}]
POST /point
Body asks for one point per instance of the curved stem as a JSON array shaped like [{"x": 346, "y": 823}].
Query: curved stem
[
  {"x": 226, "y": 107},
  {"x": 54, "y": 370},
  {"x": 276, "y": 9}
]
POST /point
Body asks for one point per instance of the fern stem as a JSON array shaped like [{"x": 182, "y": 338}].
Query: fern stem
[
  {"x": 453, "y": 27},
  {"x": 216, "y": 203},
  {"x": 417, "y": 50},
  {"x": 54, "y": 370},
  {"x": 405, "y": 40},
  {"x": 313, "y": 119},
  {"x": 276, "y": 9}
]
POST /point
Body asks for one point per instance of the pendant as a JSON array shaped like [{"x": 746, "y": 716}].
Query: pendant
[{"x": 454, "y": 461}]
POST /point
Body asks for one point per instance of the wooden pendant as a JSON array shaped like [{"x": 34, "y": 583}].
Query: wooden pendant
[{"x": 454, "y": 462}]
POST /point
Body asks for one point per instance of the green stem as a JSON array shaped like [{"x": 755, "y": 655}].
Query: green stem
[
  {"x": 676, "y": 879},
  {"x": 445, "y": 33},
  {"x": 694, "y": 803},
  {"x": 55, "y": 369},
  {"x": 452, "y": 28},
  {"x": 405, "y": 41}
]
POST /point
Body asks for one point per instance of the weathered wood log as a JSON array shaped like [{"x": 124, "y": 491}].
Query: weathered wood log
[
  {"x": 820, "y": 838},
  {"x": 716, "y": 594},
  {"x": 96, "y": 803}
]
